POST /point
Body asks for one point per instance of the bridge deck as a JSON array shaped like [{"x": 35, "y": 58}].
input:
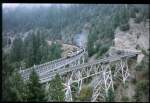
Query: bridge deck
[
  {"x": 47, "y": 74},
  {"x": 52, "y": 64}
]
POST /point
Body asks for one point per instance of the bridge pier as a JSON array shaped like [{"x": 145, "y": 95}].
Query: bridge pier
[
  {"x": 99, "y": 90},
  {"x": 105, "y": 82},
  {"x": 121, "y": 70},
  {"x": 108, "y": 79},
  {"x": 125, "y": 71},
  {"x": 80, "y": 81},
  {"x": 76, "y": 63},
  {"x": 68, "y": 93},
  {"x": 83, "y": 60},
  {"x": 80, "y": 60},
  {"x": 72, "y": 73}
]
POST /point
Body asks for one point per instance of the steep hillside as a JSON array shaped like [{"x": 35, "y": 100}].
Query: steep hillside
[
  {"x": 33, "y": 35},
  {"x": 137, "y": 39}
]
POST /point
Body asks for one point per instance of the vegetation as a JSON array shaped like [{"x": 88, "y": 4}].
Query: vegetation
[
  {"x": 103, "y": 49},
  {"x": 12, "y": 85},
  {"x": 144, "y": 67},
  {"x": 124, "y": 27},
  {"x": 33, "y": 50},
  {"x": 74, "y": 88},
  {"x": 35, "y": 92},
  {"x": 103, "y": 29},
  {"x": 142, "y": 88},
  {"x": 110, "y": 96},
  {"x": 56, "y": 87},
  {"x": 38, "y": 51},
  {"x": 85, "y": 93},
  {"x": 55, "y": 51},
  {"x": 106, "y": 32},
  {"x": 15, "y": 91},
  {"x": 16, "y": 51},
  {"x": 54, "y": 23},
  {"x": 125, "y": 85},
  {"x": 132, "y": 13},
  {"x": 125, "y": 99},
  {"x": 138, "y": 19}
]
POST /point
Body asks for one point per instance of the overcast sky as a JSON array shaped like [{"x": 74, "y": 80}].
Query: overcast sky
[{"x": 14, "y": 5}]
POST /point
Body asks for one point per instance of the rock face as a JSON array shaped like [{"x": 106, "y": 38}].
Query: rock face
[{"x": 136, "y": 37}]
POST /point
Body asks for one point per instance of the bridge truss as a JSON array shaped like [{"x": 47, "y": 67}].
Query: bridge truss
[
  {"x": 105, "y": 74},
  {"x": 105, "y": 70}
]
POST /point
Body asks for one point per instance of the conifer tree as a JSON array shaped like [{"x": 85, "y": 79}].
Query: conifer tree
[
  {"x": 110, "y": 96},
  {"x": 34, "y": 88},
  {"x": 56, "y": 89},
  {"x": 16, "y": 51},
  {"x": 13, "y": 88}
]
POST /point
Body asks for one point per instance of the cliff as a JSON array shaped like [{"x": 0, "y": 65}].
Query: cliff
[{"x": 136, "y": 38}]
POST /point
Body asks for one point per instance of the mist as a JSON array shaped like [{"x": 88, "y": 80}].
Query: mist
[
  {"x": 80, "y": 39},
  {"x": 27, "y": 5}
]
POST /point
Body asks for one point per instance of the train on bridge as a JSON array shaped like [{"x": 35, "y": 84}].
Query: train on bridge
[{"x": 72, "y": 54}]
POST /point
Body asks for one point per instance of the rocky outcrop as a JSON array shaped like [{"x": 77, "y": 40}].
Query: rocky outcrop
[{"x": 136, "y": 38}]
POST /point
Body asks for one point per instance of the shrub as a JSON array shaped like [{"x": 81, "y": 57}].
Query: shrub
[
  {"x": 138, "y": 19},
  {"x": 125, "y": 86},
  {"x": 115, "y": 86},
  {"x": 139, "y": 67},
  {"x": 103, "y": 50},
  {"x": 132, "y": 14},
  {"x": 110, "y": 97},
  {"x": 74, "y": 88},
  {"x": 133, "y": 80},
  {"x": 88, "y": 80},
  {"x": 125, "y": 99},
  {"x": 143, "y": 66},
  {"x": 85, "y": 93},
  {"x": 136, "y": 10},
  {"x": 143, "y": 85},
  {"x": 124, "y": 27},
  {"x": 144, "y": 52},
  {"x": 142, "y": 88}
]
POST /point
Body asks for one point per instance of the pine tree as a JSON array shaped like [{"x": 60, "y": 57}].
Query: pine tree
[
  {"x": 56, "y": 89},
  {"x": 110, "y": 96},
  {"x": 16, "y": 51},
  {"x": 14, "y": 88},
  {"x": 35, "y": 92},
  {"x": 55, "y": 51}
]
